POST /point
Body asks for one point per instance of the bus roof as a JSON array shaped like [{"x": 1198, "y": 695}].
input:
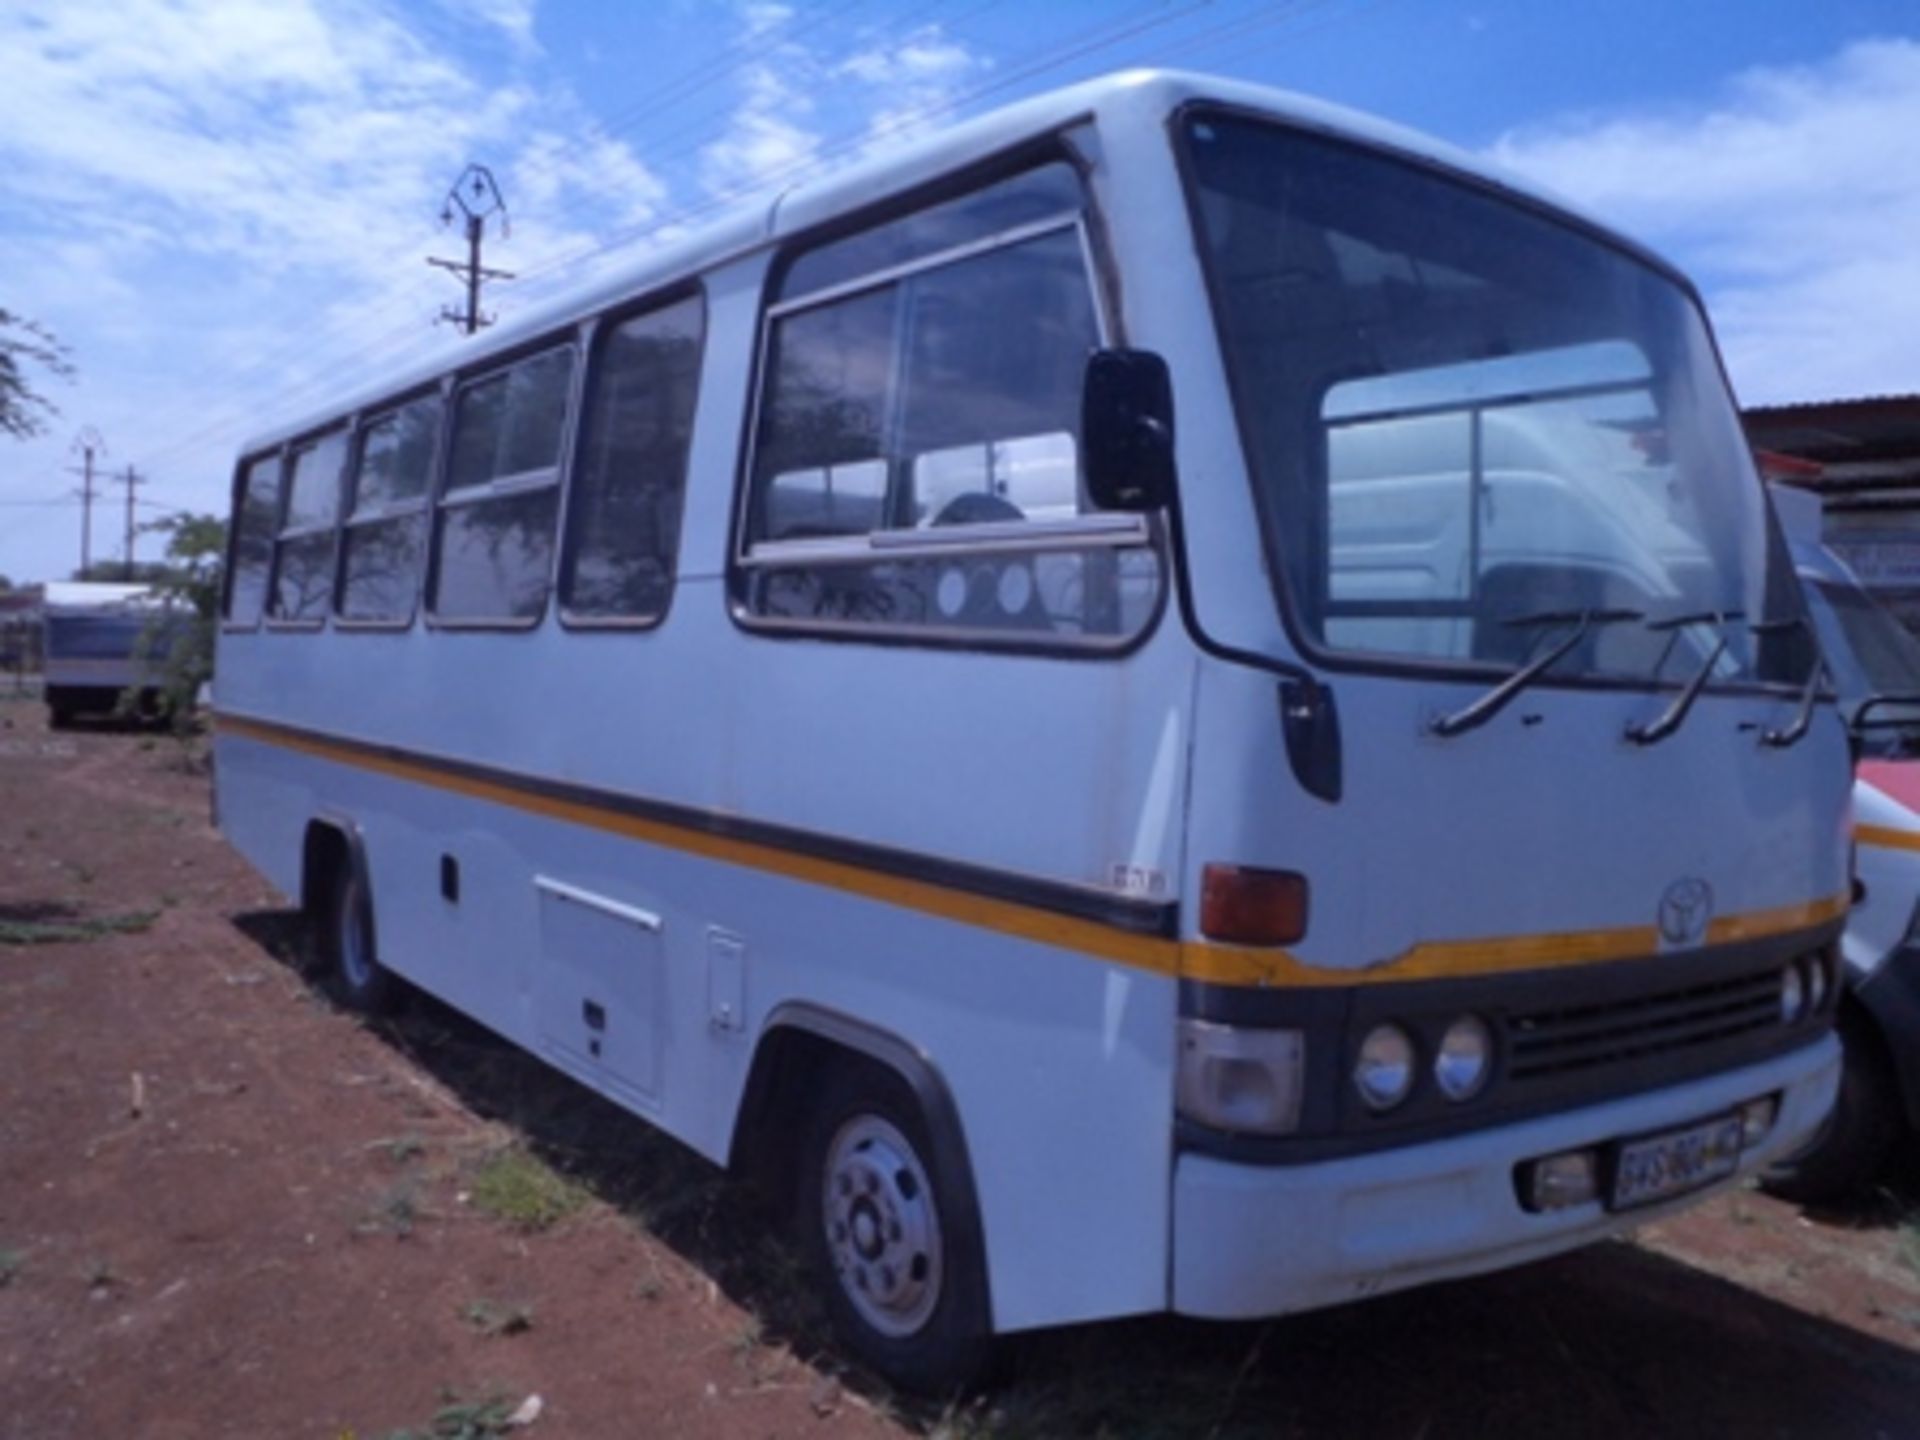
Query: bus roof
[
  {"x": 758, "y": 223},
  {"x": 91, "y": 595}
]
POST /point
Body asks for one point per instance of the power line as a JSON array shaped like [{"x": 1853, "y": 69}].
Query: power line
[
  {"x": 714, "y": 69},
  {"x": 1087, "y": 41},
  {"x": 848, "y": 140}
]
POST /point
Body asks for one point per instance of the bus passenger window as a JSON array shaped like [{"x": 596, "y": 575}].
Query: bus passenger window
[
  {"x": 916, "y": 460},
  {"x": 303, "y": 554},
  {"x": 257, "y": 516},
  {"x": 494, "y": 555},
  {"x": 624, "y": 514},
  {"x": 385, "y": 533}
]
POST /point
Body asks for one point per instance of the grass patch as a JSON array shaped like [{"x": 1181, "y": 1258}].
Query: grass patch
[
  {"x": 511, "y": 1185},
  {"x": 494, "y": 1318},
  {"x": 396, "y": 1210},
  {"x": 460, "y": 1419},
  {"x": 67, "y": 932},
  {"x": 11, "y": 1264},
  {"x": 401, "y": 1148}
]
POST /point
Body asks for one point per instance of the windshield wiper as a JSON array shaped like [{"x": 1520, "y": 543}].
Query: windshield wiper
[
  {"x": 1670, "y": 719},
  {"x": 1795, "y": 730},
  {"x": 1479, "y": 712}
]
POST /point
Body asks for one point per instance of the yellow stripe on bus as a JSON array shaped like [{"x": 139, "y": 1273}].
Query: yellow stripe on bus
[
  {"x": 1197, "y": 960},
  {"x": 1887, "y": 837}
]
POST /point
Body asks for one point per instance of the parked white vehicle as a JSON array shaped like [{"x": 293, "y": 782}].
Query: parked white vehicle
[
  {"x": 810, "y": 689},
  {"x": 1875, "y": 663},
  {"x": 95, "y": 641}
]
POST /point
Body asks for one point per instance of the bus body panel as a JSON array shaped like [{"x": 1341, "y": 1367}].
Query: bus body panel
[
  {"x": 1409, "y": 856},
  {"x": 1087, "y": 1039}
]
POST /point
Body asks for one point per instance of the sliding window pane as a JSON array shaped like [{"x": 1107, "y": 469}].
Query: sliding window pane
[
  {"x": 380, "y": 572},
  {"x": 628, "y": 485},
  {"x": 496, "y": 557}
]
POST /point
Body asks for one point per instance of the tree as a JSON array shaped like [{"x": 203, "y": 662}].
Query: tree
[
  {"x": 26, "y": 345},
  {"x": 176, "y": 647}
]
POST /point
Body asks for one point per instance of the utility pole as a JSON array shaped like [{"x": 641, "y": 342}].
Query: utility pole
[
  {"x": 87, "y": 444},
  {"x": 476, "y": 196},
  {"x": 131, "y": 479}
]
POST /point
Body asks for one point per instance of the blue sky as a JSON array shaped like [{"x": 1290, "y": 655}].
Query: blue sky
[{"x": 222, "y": 206}]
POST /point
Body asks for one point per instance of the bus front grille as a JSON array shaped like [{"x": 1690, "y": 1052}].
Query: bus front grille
[{"x": 1642, "y": 1028}]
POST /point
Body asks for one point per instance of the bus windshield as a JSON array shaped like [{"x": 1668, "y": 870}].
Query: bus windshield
[{"x": 1462, "y": 416}]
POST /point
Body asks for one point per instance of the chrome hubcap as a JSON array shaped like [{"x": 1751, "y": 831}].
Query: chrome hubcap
[{"x": 883, "y": 1231}]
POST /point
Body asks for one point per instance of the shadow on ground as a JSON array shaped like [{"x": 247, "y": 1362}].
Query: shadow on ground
[{"x": 1612, "y": 1341}]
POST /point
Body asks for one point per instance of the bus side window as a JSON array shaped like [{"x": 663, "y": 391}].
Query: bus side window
[
  {"x": 623, "y": 516},
  {"x": 256, "y": 517},
  {"x": 918, "y": 439},
  {"x": 303, "y": 552},
  {"x": 494, "y": 528},
  {"x": 385, "y": 533}
]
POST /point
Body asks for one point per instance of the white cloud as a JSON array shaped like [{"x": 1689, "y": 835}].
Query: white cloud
[
  {"x": 900, "y": 86},
  {"x": 767, "y": 138},
  {"x": 1793, "y": 199},
  {"x": 920, "y": 80},
  {"x": 512, "y": 18}
]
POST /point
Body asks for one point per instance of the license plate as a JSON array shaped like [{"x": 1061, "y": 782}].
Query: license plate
[{"x": 1676, "y": 1162}]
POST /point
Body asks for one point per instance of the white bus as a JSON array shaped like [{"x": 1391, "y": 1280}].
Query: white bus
[
  {"x": 98, "y": 640},
  {"x": 811, "y": 690}
]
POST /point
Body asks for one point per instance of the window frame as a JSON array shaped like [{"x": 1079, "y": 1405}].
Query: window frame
[
  {"x": 458, "y": 384},
  {"x": 236, "y": 510},
  {"x": 1096, "y": 529},
  {"x": 350, "y": 496},
  {"x": 290, "y": 454},
  {"x": 603, "y": 324}
]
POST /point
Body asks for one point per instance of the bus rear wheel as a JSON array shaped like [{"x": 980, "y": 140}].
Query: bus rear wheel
[
  {"x": 358, "y": 980},
  {"x": 903, "y": 1278}
]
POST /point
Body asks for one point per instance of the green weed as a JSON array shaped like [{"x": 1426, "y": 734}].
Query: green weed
[
  {"x": 66, "y": 932},
  {"x": 459, "y": 1419},
  {"x": 494, "y": 1318},
  {"x": 511, "y": 1185}
]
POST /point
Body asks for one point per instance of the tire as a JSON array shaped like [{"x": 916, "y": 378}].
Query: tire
[
  {"x": 353, "y": 976},
  {"x": 1855, "y": 1144},
  {"x": 59, "y": 717},
  {"x": 891, "y": 1237}
]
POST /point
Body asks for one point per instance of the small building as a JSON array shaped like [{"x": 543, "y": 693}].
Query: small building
[{"x": 1862, "y": 457}]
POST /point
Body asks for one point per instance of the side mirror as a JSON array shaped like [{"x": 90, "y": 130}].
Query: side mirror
[{"x": 1126, "y": 430}]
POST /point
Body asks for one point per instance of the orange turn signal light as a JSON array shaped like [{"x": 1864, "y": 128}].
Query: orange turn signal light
[{"x": 1244, "y": 906}]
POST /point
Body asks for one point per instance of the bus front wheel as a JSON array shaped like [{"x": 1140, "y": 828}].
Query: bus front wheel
[
  {"x": 903, "y": 1277},
  {"x": 357, "y": 979},
  {"x": 1859, "y": 1136}
]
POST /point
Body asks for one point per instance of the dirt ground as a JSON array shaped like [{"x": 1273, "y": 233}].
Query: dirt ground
[{"x": 227, "y": 1209}]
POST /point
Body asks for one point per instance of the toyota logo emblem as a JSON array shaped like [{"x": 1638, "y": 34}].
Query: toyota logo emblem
[{"x": 1684, "y": 910}]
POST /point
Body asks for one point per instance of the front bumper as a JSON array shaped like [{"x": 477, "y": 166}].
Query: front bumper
[{"x": 1256, "y": 1240}]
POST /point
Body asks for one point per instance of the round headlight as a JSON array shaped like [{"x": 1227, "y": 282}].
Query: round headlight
[
  {"x": 1383, "y": 1073},
  {"x": 1793, "y": 994},
  {"x": 1816, "y": 982},
  {"x": 1465, "y": 1058}
]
